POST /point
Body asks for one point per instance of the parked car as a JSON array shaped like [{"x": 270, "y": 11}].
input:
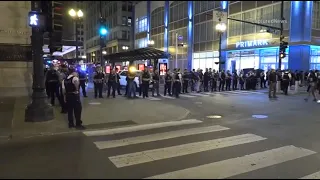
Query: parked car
[{"x": 123, "y": 75}]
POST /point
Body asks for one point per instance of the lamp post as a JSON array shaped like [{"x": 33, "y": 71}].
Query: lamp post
[
  {"x": 125, "y": 48},
  {"x": 220, "y": 28},
  {"x": 76, "y": 16},
  {"x": 39, "y": 109}
]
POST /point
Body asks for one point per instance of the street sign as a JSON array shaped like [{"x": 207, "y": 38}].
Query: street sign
[
  {"x": 220, "y": 16},
  {"x": 35, "y": 19}
]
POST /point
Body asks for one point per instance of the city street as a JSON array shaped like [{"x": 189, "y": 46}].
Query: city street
[{"x": 219, "y": 138}]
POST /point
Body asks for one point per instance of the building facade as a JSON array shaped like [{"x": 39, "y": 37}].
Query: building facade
[
  {"x": 118, "y": 15},
  {"x": 191, "y": 23}
]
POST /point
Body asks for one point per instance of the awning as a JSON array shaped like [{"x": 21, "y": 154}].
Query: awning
[{"x": 137, "y": 54}]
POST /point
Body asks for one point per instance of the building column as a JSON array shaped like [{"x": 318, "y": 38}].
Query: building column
[
  {"x": 166, "y": 22},
  {"x": 148, "y": 19},
  {"x": 300, "y": 33},
  {"x": 190, "y": 34},
  {"x": 133, "y": 25}
]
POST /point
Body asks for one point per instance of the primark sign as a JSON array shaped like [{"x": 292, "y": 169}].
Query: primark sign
[{"x": 254, "y": 43}]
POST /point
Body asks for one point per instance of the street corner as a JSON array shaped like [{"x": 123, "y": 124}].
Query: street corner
[{"x": 101, "y": 111}]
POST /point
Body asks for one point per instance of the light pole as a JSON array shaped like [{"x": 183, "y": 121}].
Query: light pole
[
  {"x": 220, "y": 28},
  {"x": 39, "y": 109},
  {"x": 125, "y": 48},
  {"x": 76, "y": 16}
]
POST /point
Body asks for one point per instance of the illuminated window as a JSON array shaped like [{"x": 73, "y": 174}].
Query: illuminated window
[{"x": 141, "y": 25}]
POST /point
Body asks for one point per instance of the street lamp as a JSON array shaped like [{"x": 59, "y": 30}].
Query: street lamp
[
  {"x": 125, "y": 48},
  {"x": 150, "y": 43},
  {"x": 76, "y": 16},
  {"x": 104, "y": 52},
  {"x": 220, "y": 28}
]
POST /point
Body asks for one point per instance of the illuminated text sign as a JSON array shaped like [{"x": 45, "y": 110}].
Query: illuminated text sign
[{"x": 248, "y": 44}]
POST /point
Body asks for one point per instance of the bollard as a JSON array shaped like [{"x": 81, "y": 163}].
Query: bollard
[{"x": 296, "y": 87}]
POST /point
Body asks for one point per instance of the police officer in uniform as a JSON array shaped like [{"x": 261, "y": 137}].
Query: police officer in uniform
[
  {"x": 53, "y": 79},
  {"x": 118, "y": 82},
  {"x": 174, "y": 72},
  {"x": 112, "y": 83},
  {"x": 145, "y": 83},
  {"x": 98, "y": 79},
  {"x": 64, "y": 73},
  {"x": 130, "y": 83},
  {"x": 286, "y": 78},
  {"x": 206, "y": 79},
  {"x": 272, "y": 77},
  {"x": 168, "y": 82},
  {"x": 262, "y": 80},
  {"x": 70, "y": 87},
  {"x": 222, "y": 80},
  {"x": 242, "y": 80},
  {"x": 228, "y": 81},
  {"x": 215, "y": 77},
  {"x": 312, "y": 80},
  {"x": 235, "y": 80},
  {"x": 83, "y": 80},
  {"x": 186, "y": 78},
  {"x": 177, "y": 83},
  {"x": 155, "y": 82}
]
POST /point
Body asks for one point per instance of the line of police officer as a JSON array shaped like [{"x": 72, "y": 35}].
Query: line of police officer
[{"x": 64, "y": 84}]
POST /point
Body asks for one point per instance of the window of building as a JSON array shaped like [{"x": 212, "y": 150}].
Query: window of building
[
  {"x": 129, "y": 21},
  {"x": 130, "y": 6},
  {"x": 124, "y": 34},
  {"x": 124, "y": 20},
  {"x": 124, "y": 6},
  {"x": 115, "y": 8},
  {"x": 205, "y": 60},
  {"x": 141, "y": 25},
  {"x": 316, "y": 15},
  {"x": 141, "y": 43}
]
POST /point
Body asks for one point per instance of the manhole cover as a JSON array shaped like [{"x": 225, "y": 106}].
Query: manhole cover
[
  {"x": 260, "y": 116},
  {"x": 214, "y": 117},
  {"x": 94, "y": 103}
]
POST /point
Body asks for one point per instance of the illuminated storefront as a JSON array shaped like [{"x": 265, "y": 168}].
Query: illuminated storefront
[
  {"x": 315, "y": 57},
  {"x": 205, "y": 60}
]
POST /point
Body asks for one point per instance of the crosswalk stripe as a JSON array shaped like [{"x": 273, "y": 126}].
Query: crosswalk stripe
[
  {"x": 235, "y": 166},
  {"x": 158, "y": 137},
  {"x": 315, "y": 175},
  {"x": 181, "y": 150},
  {"x": 168, "y": 97},
  {"x": 140, "y": 127},
  {"x": 187, "y": 96},
  {"x": 198, "y": 94}
]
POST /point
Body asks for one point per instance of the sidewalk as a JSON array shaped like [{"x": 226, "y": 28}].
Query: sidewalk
[{"x": 96, "y": 114}]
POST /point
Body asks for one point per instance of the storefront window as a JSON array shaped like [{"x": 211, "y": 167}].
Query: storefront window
[
  {"x": 205, "y": 60},
  {"x": 315, "y": 58}
]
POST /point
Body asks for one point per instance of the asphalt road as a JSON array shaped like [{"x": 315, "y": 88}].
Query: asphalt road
[{"x": 283, "y": 144}]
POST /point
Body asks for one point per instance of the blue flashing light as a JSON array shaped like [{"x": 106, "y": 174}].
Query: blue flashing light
[
  {"x": 49, "y": 62},
  {"x": 103, "y": 31}
]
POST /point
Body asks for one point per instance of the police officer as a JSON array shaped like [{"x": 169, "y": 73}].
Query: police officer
[
  {"x": 235, "y": 78},
  {"x": 242, "y": 80},
  {"x": 262, "y": 80},
  {"x": 168, "y": 82},
  {"x": 286, "y": 78},
  {"x": 70, "y": 87},
  {"x": 222, "y": 80},
  {"x": 177, "y": 83},
  {"x": 98, "y": 80},
  {"x": 206, "y": 79},
  {"x": 145, "y": 82},
  {"x": 155, "y": 82},
  {"x": 118, "y": 81},
  {"x": 53, "y": 80},
  {"x": 63, "y": 75},
  {"x": 173, "y": 88},
  {"x": 312, "y": 80},
  {"x": 112, "y": 83},
  {"x": 83, "y": 80},
  {"x": 272, "y": 77},
  {"x": 215, "y": 77},
  {"x": 186, "y": 79}
]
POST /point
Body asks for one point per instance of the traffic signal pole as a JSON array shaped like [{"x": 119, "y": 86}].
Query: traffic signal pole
[
  {"x": 281, "y": 34},
  {"x": 102, "y": 62},
  {"x": 38, "y": 110}
]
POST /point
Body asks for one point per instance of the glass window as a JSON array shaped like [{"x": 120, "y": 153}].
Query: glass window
[
  {"x": 130, "y": 6},
  {"x": 196, "y": 55},
  {"x": 215, "y": 53},
  {"x": 124, "y": 5},
  {"x": 129, "y": 21},
  {"x": 124, "y": 35},
  {"x": 196, "y": 64},
  {"x": 209, "y": 63},
  {"x": 209, "y": 54},
  {"x": 203, "y": 55},
  {"x": 124, "y": 20},
  {"x": 202, "y": 64}
]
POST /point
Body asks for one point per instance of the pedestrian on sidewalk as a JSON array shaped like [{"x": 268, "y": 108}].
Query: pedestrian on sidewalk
[
  {"x": 70, "y": 88},
  {"x": 312, "y": 79}
]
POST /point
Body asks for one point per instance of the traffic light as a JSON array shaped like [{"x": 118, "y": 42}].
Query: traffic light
[
  {"x": 282, "y": 49},
  {"x": 46, "y": 7},
  {"x": 103, "y": 32}
]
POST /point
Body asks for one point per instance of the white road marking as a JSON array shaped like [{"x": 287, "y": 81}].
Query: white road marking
[
  {"x": 140, "y": 127},
  {"x": 181, "y": 150},
  {"x": 315, "y": 175},
  {"x": 168, "y": 97},
  {"x": 239, "y": 165},
  {"x": 198, "y": 94},
  {"x": 158, "y": 136},
  {"x": 187, "y": 96},
  {"x": 153, "y": 99}
]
